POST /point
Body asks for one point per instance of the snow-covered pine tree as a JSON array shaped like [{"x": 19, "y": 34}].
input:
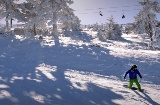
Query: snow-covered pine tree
[
  {"x": 155, "y": 6},
  {"x": 156, "y": 38},
  {"x": 7, "y": 10},
  {"x": 69, "y": 21},
  {"x": 95, "y": 27},
  {"x": 76, "y": 24},
  {"x": 35, "y": 13},
  {"x": 129, "y": 28},
  {"x": 61, "y": 13},
  {"x": 47, "y": 12},
  {"x": 145, "y": 20},
  {"x": 112, "y": 30},
  {"x": 140, "y": 21}
]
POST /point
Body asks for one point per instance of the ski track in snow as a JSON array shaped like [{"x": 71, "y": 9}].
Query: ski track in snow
[{"x": 76, "y": 72}]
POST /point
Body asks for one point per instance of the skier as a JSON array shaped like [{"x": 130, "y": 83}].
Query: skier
[{"x": 133, "y": 77}]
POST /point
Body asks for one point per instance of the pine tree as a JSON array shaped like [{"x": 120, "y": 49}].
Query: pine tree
[
  {"x": 146, "y": 18},
  {"x": 10, "y": 10},
  {"x": 112, "y": 30},
  {"x": 6, "y": 11},
  {"x": 42, "y": 13},
  {"x": 69, "y": 21}
]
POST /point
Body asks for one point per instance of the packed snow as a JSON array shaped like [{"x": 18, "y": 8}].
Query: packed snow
[{"x": 76, "y": 71}]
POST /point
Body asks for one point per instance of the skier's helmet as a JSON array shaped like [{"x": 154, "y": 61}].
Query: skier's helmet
[{"x": 134, "y": 66}]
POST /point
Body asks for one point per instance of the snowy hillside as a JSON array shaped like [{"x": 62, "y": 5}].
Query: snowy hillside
[{"x": 75, "y": 72}]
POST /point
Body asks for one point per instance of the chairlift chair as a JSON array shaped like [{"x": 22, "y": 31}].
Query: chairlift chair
[
  {"x": 123, "y": 16},
  {"x": 100, "y": 13}
]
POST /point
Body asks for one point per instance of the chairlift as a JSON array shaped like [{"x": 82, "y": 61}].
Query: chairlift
[
  {"x": 100, "y": 13},
  {"x": 123, "y": 16}
]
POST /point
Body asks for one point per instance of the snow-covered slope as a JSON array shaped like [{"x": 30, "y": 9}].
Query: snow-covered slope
[{"x": 75, "y": 72}]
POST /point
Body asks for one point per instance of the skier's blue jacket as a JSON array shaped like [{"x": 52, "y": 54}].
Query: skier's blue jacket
[{"x": 133, "y": 74}]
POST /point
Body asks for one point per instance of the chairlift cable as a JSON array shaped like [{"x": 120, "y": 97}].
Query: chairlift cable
[
  {"x": 106, "y": 8},
  {"x": 110, "y": 11}
]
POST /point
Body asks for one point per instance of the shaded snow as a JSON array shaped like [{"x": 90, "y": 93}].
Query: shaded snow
[{"x": 76, "y": 72}]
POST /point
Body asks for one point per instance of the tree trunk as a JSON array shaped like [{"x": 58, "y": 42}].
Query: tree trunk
[
  {"x": 7, "y": 23},
  {"x": 150, "y": 28},
  {"x": 11, "y": 22},
  {"x": 150, "y": 32},
  {"x": 55, "y": 31},
  {"x": 54, "y": 28},
  {"x": 34, "y": 29}
]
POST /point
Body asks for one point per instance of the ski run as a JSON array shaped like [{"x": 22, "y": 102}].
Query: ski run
[{"x": 76, "y": 71}]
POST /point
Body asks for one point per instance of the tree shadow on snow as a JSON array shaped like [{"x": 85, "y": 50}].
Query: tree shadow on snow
[
  {"x": 78, "y": 35},
  {"x": 36, "y": 76},
  {"x": 28, "y": 89}
]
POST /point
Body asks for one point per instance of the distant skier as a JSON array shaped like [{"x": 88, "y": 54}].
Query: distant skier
[{"x": 133, "y": 76}]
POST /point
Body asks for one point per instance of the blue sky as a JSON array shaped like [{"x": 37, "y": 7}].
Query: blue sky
[{"x": 88, "y": 10}]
